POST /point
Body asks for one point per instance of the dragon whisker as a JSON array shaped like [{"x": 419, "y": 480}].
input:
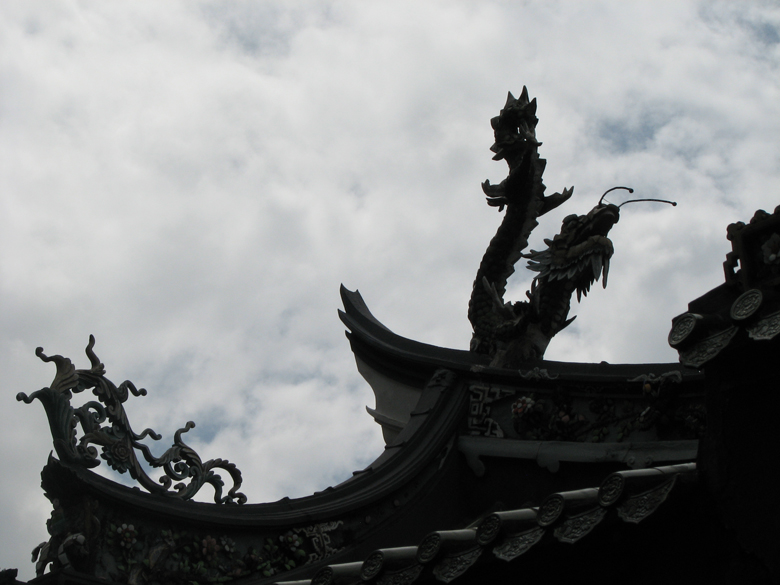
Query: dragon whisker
[
  {"x": 629, "y": 189},
  {"x": 672, "y": 203}
]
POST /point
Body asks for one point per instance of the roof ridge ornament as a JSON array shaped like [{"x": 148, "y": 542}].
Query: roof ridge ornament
[
  {"x": 514, "y": 333},
  {"x": 117, "y": 439},
  {"x": 745, "y": 307}
]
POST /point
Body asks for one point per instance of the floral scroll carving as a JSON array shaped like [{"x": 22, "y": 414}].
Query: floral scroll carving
[{"x": 104, "y": 423}]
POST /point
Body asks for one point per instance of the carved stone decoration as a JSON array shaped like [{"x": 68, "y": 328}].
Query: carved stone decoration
[
  {"x": 480, "y": 399},
  {"x": 120, "y": 547},
  {"x": 403, "y": 577},
  {"x": 708, "y": 348},
  {"x": 748, "y": 297},
  {"x": 551, "y": 509},
  {"x": 771, "y": 249},
  {"x": 452, "y": 567},
  {"x": 117, "y": 439},
  {"x": 746, "y": 304},
  {"x": 611, "y": 489},
  {"x": 372, "y": 566},
  {"x": 574, "y": 528},
  {"x": 766, "y": 328},
  {"x": 512, "y": 333},
  {"x": 488, "y": 529},
  {"x": 537, "y": 373},
  {"x": 637, "y": 508},
  {"x": 337, "y": 574},
  {"x": 319, "y": 536},
  {"x": 429, "y": 548},
  {"x": 324, "y": 576},
  {"x": 73, "y": 529},
  {"x": 682, "y": 328},
  {"x": 583, "y": 413},
  {"x": 513, "y": 546},
  {"x": 654, "y": 385}
]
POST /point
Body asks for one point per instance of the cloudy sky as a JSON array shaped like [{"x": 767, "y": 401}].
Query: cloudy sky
[{"x": 191, "y": 181}]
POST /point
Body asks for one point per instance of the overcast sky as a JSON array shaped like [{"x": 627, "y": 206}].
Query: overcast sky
[{"x": 191, "y": 181}]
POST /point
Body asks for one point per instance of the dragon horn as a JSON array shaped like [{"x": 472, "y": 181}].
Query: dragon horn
[
  {"x": 524, "y": 96},
  {"x": 510, "y": 99}
]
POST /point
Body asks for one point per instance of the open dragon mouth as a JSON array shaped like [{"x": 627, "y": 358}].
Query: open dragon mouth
[
  {"x": 582, "y": 264},
  {"x": 580, "y": 254}
]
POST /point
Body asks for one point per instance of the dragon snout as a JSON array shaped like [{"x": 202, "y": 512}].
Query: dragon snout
[{"x": 605, "y": 217}]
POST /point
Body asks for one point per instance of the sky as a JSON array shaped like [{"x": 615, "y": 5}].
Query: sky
[{"x": 192, "y": 181}]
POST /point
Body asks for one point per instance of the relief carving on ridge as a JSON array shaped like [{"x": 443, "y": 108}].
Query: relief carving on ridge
[
  {"x": 513, "y": 546},
  {"x": 638, "y": 507},
  {"x": 452, "y": 567},
  {"x": 649, "y": 407},
  {"x": 574, "y": 528}
]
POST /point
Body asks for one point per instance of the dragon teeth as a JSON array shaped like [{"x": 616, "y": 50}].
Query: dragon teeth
[{"x": 595, "y": 261}]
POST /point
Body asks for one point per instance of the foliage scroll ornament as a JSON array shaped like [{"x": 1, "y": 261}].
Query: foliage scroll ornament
[
  {"x": 454, "y": 566},
  {"x": 516, "y": 545},
  {"x": 117, "y": 439}
]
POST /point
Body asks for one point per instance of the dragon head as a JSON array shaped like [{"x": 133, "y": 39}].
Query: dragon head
[
  {"x": 579, "y": 255},
  {"x": 512, "y": 333}
]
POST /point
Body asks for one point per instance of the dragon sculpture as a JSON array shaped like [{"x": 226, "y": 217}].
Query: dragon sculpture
[{"x": 512, "y": 333}]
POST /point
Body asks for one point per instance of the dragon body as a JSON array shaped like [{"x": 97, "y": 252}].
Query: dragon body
[{"x": 512, "y": 333}]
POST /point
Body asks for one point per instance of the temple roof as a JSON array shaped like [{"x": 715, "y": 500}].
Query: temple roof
[{"x": 480, "y": 463}]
